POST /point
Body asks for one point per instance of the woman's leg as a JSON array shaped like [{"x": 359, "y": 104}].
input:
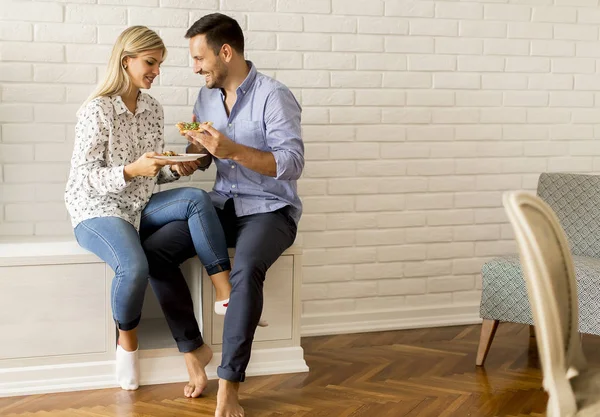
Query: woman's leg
[
  {"x": 117, "y": 243},
  {"x": 195, "y": 206}
]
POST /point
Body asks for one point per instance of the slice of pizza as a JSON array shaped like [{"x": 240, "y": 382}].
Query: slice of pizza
[{"x": 185, "y": 127}]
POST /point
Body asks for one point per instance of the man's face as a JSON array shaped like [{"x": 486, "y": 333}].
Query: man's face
[{"x": 207, "y": 63}]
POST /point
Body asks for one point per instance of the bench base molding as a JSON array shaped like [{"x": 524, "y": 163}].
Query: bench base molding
[
  {"x": 55, "y": 304},
  {"x": 167, "y": 368}
]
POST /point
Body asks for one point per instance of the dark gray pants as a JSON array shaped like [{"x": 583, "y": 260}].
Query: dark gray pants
[
  {"x": 259, "y": 239},
  {"x": 166, "y": 249}
]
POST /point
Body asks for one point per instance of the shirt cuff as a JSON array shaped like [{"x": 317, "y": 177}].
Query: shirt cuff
[
  {"x": 168, "y": 175},
  {"x": 119, "y": 178},
  {"x": 285, "y": 165}
]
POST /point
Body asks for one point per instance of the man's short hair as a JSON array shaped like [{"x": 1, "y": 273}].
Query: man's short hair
[{"x": 219, "y": 30}]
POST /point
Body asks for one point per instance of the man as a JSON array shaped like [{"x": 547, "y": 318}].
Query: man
[{"x": 256, "y": 145}]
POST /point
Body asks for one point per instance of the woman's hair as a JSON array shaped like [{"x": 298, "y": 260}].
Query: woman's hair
[{"x": 131, "y": 42}]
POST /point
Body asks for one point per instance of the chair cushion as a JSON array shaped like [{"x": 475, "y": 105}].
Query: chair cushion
[
  {"x": 504, "y": 295},
  {"x": 586, "y": 388}
]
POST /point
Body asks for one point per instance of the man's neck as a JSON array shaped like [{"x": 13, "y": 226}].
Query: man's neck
[{"x": 237, "y": 75}]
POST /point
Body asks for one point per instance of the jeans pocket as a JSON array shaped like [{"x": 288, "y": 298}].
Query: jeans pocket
[{"x": 285, "y": 212}]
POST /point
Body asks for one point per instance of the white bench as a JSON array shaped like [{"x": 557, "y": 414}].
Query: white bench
[{"x": 57, "y": 331}]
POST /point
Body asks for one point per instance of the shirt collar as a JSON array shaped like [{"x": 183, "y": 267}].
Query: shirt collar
[
  {"x": 120, "y": 107},
  {"x": 247, "y": 83}
]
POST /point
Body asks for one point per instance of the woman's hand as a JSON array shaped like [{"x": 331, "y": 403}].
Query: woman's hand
[{"x": 145, "y": 166}]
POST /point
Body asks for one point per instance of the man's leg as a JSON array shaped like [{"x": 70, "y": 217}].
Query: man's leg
[
  {"x": 194, "y": 206},
  {"x": 262, "y": 238},
  {"x": 166, "y": 249}
]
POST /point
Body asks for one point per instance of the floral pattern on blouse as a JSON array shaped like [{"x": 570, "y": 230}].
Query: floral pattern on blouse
[{"x": 108, "y": 137}]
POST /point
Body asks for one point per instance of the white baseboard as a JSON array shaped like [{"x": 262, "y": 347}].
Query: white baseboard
[
  {"x": 154, "y": 370},
  {"x": 166, "y": 368},
  {"x": 375, "y": 321}
]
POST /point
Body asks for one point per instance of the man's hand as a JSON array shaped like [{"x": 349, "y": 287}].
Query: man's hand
[
  {"x": 194, "y": 147},
  {"x": 185, "y": 169},
  {"x": 214, "y": 142}
]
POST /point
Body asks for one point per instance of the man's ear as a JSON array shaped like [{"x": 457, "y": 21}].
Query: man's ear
[{"x": 226, "y": 52}]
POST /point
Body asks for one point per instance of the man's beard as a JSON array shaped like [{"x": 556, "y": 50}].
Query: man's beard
[{"x": 218, "y": 77}]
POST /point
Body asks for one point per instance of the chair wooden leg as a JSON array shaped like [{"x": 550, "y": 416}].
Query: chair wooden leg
[
  {"x": 531, "y": 331},
  {"x": 488, "y": 330}
]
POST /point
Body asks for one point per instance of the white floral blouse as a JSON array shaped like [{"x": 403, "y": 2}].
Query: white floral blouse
[{"x": 108, "y": 137}]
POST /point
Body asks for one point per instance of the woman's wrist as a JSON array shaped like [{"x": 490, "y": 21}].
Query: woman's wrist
[{"x": 129, "y": 172}]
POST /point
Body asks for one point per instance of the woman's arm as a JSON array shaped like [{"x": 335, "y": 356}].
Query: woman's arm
[{"x": 89, "y": 153}]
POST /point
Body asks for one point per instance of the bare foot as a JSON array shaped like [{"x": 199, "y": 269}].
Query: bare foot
[
  {"x": 228, "y": 404},
  {"x": 196, "y": 361}
]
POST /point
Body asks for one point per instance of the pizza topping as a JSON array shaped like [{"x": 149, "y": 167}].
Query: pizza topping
[{"x": 192, "y": 126}]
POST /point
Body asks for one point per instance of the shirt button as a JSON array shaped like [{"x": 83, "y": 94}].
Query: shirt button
[
  {"x": 233, "y": 166},
  {"x": 230, "y": 125},
  {"x": 233, "y": 186},
  {"x": 235, "y": 195}
]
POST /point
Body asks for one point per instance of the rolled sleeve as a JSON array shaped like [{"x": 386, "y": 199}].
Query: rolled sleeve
[
  {"x": 89, "y": 155},
  {"x": 283, "y": 133}
]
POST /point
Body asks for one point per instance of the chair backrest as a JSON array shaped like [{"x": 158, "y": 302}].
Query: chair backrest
[
  {"x": 552, "y": 292},
  {"x": 575, "y": 198}
]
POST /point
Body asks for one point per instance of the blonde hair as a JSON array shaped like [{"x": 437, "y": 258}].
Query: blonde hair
[{"x": 131, "y": 42}]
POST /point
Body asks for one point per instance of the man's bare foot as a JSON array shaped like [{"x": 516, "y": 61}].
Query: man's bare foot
[
  {"x": 196, "y": 362},
  {"x": 228, "y": 404}
]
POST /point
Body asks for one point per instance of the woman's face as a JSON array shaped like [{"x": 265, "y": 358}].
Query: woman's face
[{"x": 143, "y": 68}]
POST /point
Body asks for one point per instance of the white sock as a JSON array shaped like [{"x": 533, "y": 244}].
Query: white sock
[
  {"x": 221, "y": 309},
  {"x": 128, "y": 369}
]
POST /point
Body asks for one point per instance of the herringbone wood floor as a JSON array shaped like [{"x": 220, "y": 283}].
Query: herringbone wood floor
[{"x": 424, "y": 372}]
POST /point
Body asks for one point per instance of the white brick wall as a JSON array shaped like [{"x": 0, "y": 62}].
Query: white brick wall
[{"x": 417, "y": 116}]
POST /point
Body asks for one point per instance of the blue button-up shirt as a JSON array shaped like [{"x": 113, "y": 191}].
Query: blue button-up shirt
[{"x": 265, "y": 116}]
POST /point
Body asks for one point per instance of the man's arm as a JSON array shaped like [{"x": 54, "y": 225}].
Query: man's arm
[
  {"x": 285, "y": 161},
  {"x": 222, "y": 147},
  {"x": 259, "y": 161},
  {"x": 284, "y": 135}
]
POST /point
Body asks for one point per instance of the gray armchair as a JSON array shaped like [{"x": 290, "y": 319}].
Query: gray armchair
[{"x": 576, "y": 200}]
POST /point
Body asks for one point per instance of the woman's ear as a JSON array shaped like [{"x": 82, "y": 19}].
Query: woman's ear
[{"x": 125, "y": 62}]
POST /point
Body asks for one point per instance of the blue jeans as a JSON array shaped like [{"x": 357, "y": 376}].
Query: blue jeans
[{"x": 117, "y": 243}]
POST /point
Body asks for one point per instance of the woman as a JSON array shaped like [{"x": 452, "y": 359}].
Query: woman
[{"x": 109, "y": 191}]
